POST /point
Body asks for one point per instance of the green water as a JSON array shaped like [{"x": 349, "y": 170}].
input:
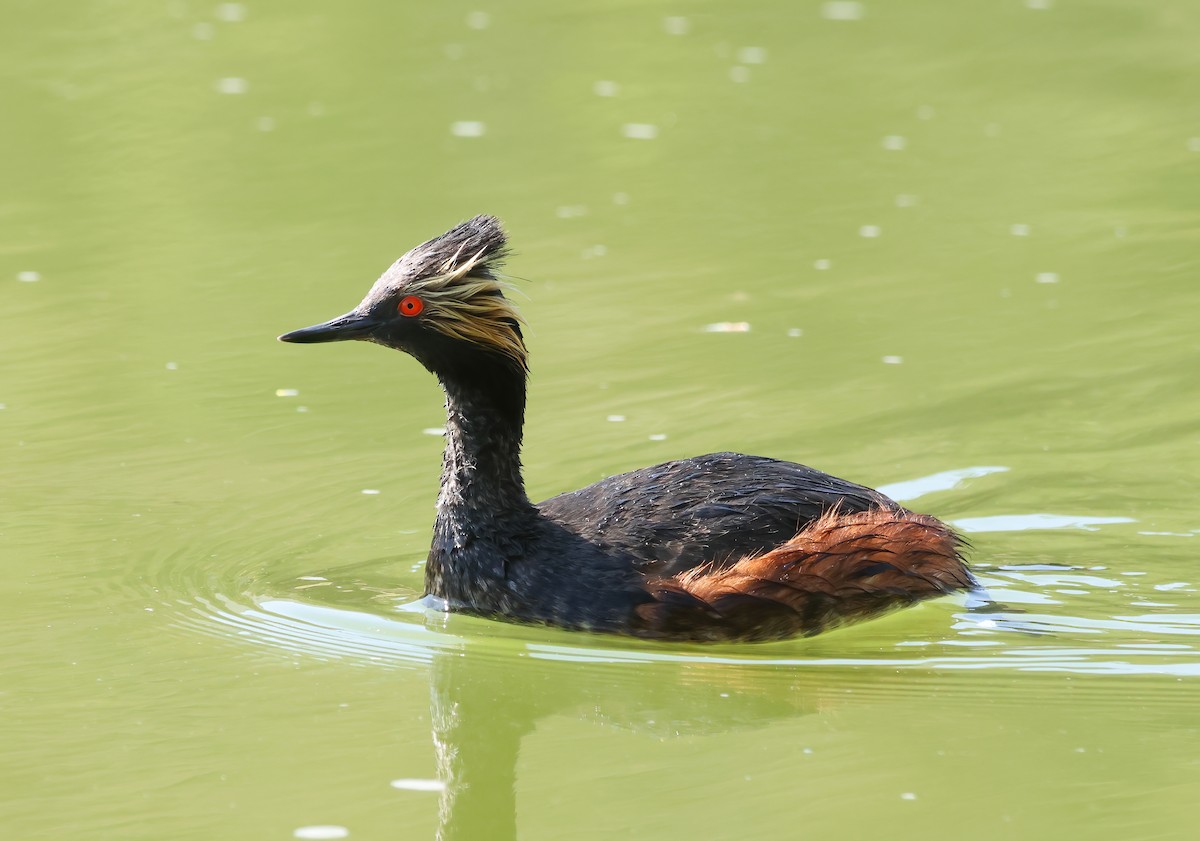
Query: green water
[{"x": 963, "y": 236}]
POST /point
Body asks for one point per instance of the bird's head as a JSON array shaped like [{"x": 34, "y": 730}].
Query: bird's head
[{"x": 442, "y": 303}]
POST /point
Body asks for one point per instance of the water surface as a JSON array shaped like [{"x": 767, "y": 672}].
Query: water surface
[{"x": 944, "y": 249}]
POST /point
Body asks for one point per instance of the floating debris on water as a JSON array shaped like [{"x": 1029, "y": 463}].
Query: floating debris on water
[
  {"x": 419, "y": 785},
  {"x": 640, "y": 131},
  {"x": 658, "y": 437},
  {"x": 287, "y": 392},
  {"x": 893, "y": 360},
  {"x": 321, "y": 833},
  {"x": 1047, "y": 277},
  {"x": 822, "y": 265},
  {"x": 674, "y": 25},
  {"x": 1019, "y": 230},
  {"x": 232, "y": 85},
  {"x": 908, "y": 795},
  {"x": 371, "y": 491},
  {"x": 843, "y": 10},
  {"x": 752, "y": 55},
  {"x": 605, "y": 88},
  {"x": 172, "y": 366},
  {"x": 231, "y": 12},
  {"x": 894, "y": 143},
  {"x": 436, "y": 431},
  {"x": 870, "y": 231},
  {"x": 728, "y": 327},
  {"x": 29, "y": 277},
  {"x": 795, "y": 332},
  {"x": 468, "y": 128},
  {"x": 615, "y": 418}
]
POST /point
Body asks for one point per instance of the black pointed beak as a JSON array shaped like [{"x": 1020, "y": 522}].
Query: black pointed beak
[{"x": 352, "y": 325}]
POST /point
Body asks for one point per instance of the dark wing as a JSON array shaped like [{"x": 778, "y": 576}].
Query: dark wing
[{"x": 713, "y": 508}]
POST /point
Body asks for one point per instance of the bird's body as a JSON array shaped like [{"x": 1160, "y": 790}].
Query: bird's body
[{"x": 718, "y": 547}]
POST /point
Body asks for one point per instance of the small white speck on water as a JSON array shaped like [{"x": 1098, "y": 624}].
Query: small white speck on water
[
  {"x": 908, "y": 795},
  {"x": 571, "y": 211},
  {"x": 418, "y": 785},
  {"x": 436, "y": 431},
  {"x": 1038, "y": 5},
  {"x": 752, "y": 55},
  {"x": 172, "y": 366},
  {"x": 148, "y": 609},
  {"x": 675, "y": 25},
  {"x": 620, "y": 199},
  {"x": 895, "y": 143},
  {"x": 1193, "y": 144},
  {"x": 658, "y": 436},
  {"x": 870, "y": 231},
  {"x": 29, "y": 277},
  {"x": 640, "y": 131},
  {"x": 843, "y": 10},
  {"x": 301, "y": 408},
  {"x": 1047, "y": 277},
  {"x": 728, "y": 327},
  {"x": 807, "y": 751},
  {"x": 926, "y": 112},
  {"x": 823, "y": 265},
  {"x": 3, "y": 406},
  {"x": 370, "y": 491},
  {"x": 203, "y": 31},
  {"x": 594, "y": 251},
  {"x": 906, "y": 200},
  {"x": 479, "y": 20},
  {"x": 266, "y": 124},
  {"x": 615, "y": 418},
  {"x": 739, "y": 74},
  {"x": 232, "y": 85},
  {"x": 893, "y": 360},
  {"x": 312, "y": 578},
  {"x": 1174, "y": 585},
  {"x": 987, "y": 624},
  {"x": 1019, "y": 230},
  {"x": 321, "y": 832},
  {"x": 468, "y": 128},
  {"x": 795, "y": 332},
  {"x": 287, "y": 392},
  {"x": 604, "y": 87},
  {"x": 231, "y": 12}
]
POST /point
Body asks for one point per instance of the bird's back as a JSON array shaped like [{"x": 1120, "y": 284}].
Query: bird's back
[{"x": 711, "y": 509}]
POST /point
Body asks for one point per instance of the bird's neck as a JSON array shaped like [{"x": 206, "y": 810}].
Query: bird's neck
[{"x": 481, "y": 468}]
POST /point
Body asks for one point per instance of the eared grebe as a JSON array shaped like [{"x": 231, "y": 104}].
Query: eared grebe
[{"x": 718, "y": 547}]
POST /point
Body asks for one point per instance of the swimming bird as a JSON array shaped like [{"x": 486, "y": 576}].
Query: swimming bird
[{"x": 720, "y": 547}]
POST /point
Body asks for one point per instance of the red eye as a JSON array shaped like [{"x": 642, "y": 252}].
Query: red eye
[{"x": 411, "y": 305}]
